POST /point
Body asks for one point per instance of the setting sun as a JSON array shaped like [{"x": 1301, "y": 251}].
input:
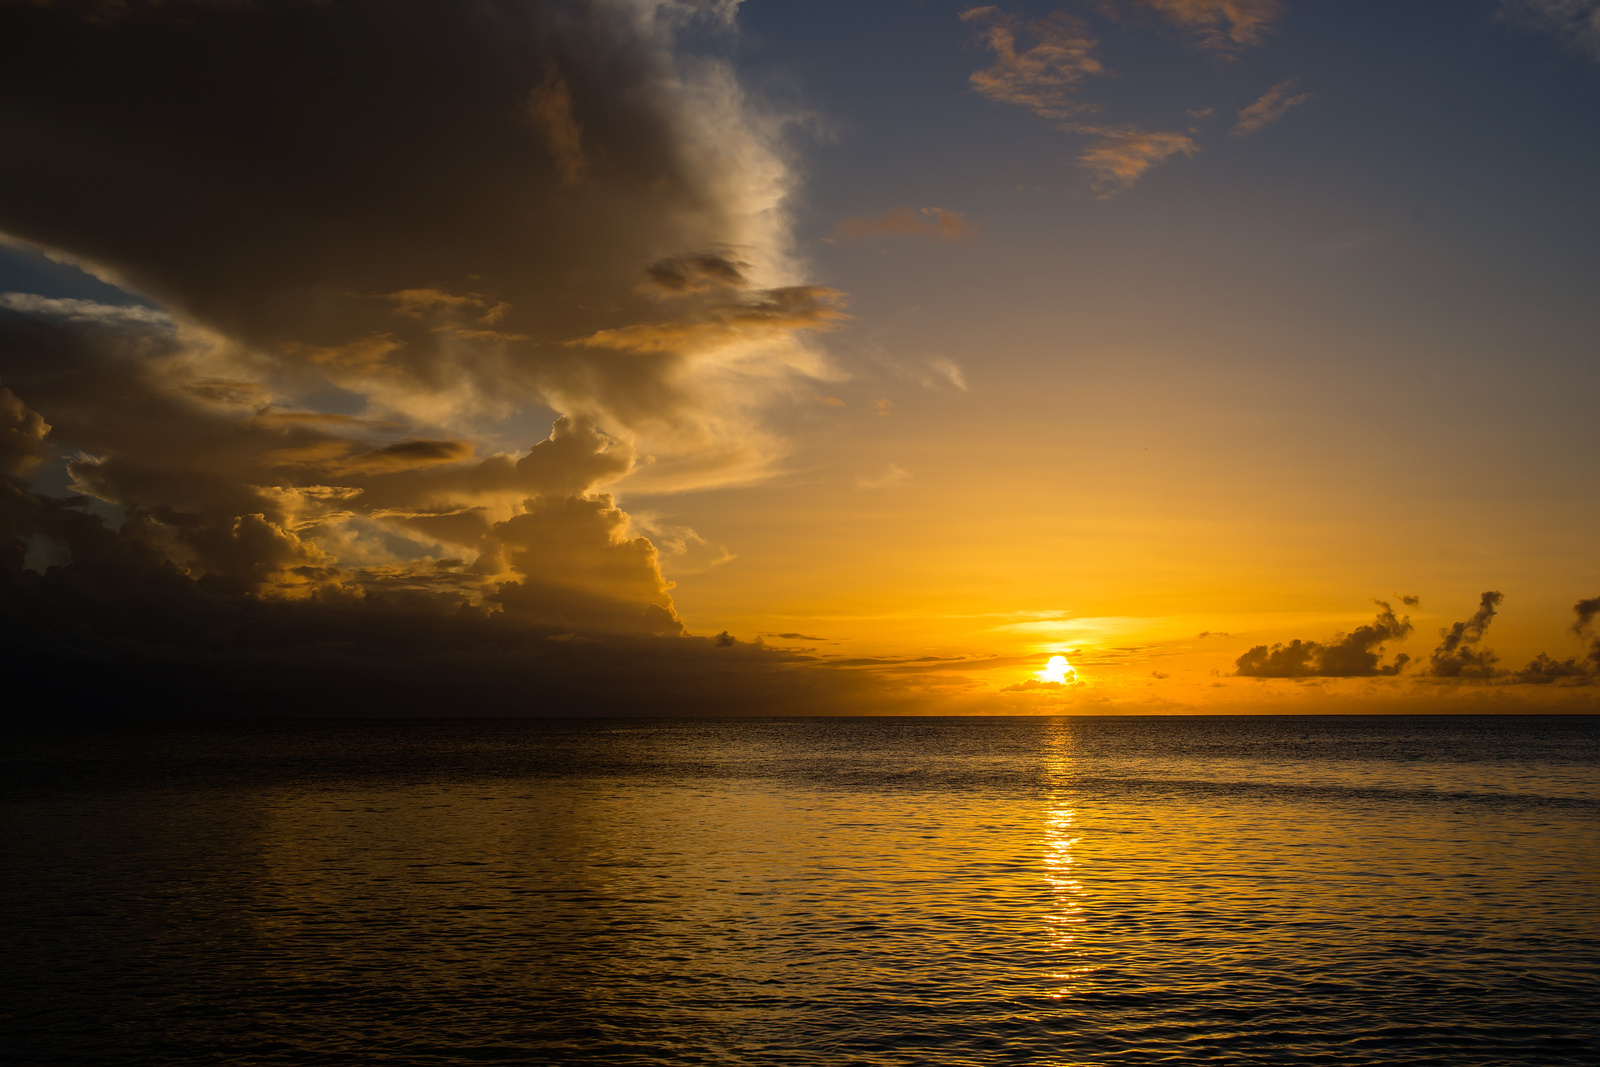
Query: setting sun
[{"x": 1058, "y": 670}]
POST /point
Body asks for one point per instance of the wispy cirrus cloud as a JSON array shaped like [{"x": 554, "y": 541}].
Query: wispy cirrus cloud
[
  {"x": 1044, "y": 75},
  {"x": 1120, "y": 157},
  {"x": 1576, "y": 21},
  {"x": 933, "y": 222},
  {"x": 1272, "y": 106},
  {"x": 1224, "y": 26}
]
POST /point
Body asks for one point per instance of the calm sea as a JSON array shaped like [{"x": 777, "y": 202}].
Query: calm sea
[{"x": 804, "y": 891}]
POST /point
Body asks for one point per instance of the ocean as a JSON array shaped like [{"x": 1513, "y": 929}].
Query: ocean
[{"x": 1053, "y": 891}]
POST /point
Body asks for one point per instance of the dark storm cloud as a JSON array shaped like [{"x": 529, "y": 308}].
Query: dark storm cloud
[
  {"x": 1459, "y": 654},
  {"x": 417, "y": 200},
  {"x": 370, "y": 229},
  {"x": 1357, "y": 654},
  {"x": 116, "y": 629}
]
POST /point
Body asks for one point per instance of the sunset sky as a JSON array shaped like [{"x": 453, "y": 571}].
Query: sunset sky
[{"x": 506, "y": 354}]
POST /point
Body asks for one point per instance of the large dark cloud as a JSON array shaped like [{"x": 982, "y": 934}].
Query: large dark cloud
[
  {"x": 363, "y": 235},
  {"x": 448, "y": 210},
  {"x": 1358, "y": 654}
]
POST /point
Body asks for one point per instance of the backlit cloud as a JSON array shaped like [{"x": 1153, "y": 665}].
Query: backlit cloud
[
  {"x": 1272, "y": 106},
  {"x": 549, "y": 214}
]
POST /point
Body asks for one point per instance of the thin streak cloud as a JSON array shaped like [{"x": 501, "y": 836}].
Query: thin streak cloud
[{"x": 1272, "y": 106}]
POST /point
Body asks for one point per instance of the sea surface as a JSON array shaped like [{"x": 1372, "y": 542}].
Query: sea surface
[{"x": 803, "y": 891}]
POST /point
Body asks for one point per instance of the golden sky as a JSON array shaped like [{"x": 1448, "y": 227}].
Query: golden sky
[{"x": 810, "y": 358}]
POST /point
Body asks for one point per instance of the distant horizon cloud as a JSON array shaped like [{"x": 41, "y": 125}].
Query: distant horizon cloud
[
  {"x": 1357, "y": 654},
  {"x": 1460, "y": 656}
]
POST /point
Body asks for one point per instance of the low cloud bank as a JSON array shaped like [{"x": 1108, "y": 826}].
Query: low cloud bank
[{"x": 1460, "y": 655}]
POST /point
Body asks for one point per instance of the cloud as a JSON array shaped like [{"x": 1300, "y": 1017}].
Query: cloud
[
  {"x": 1586, "y": 610},
  {"x": 1273, "y": 105},
  {"x": 1357, "y": 654},
  {"x": 1222, "y": 25},
  {"x": 1120, "y": 157},
  {"x": 524, "y": 177},
  {"x": 908, "y": 222},
  {"x": 1458, "y": 654},
  {"x": 892, "y": 476},
  {"x": 290, "y": 444},
  {"x": 951, "y": 373},
  {"x": 1576, "y": 21},
  {"x": 1542, "y": 670},
  {"x": 1043, "y": 76},
  {"x": 22, "y": 434},
  {"x": 1408, "y": 601}
]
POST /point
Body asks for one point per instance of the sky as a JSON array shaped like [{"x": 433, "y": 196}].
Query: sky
[{"x": 761, "y": 357}]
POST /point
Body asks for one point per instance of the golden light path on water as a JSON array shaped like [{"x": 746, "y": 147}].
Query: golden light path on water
[
  {"x": 883, "y": 892},
  {"x": 1065, "y": 916}
]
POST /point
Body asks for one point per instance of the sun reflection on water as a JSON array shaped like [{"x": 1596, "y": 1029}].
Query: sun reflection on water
[{"x": 1065, "y": 916}]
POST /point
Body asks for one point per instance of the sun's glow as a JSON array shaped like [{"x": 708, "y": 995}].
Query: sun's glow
[{"x": 1058, "y": 670}]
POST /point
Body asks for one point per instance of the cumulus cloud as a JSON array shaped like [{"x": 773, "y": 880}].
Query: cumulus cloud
[
  {"x": 1357, "y": 654},
  {"x": 1272, "y": 106},
  {"x": 385, "y": 231},
  {"x": 22, "y": 434},
  {"x": 1459, "y": 654},
  {"x": 908, "y": 222},
  {"x": 519, "y": 170}
]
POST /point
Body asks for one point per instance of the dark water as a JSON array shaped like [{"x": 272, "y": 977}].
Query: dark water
[{"x": 805, "y": 891}]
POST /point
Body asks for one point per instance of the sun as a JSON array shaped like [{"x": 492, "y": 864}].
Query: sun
[{"x": 1058, "y": 670}]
